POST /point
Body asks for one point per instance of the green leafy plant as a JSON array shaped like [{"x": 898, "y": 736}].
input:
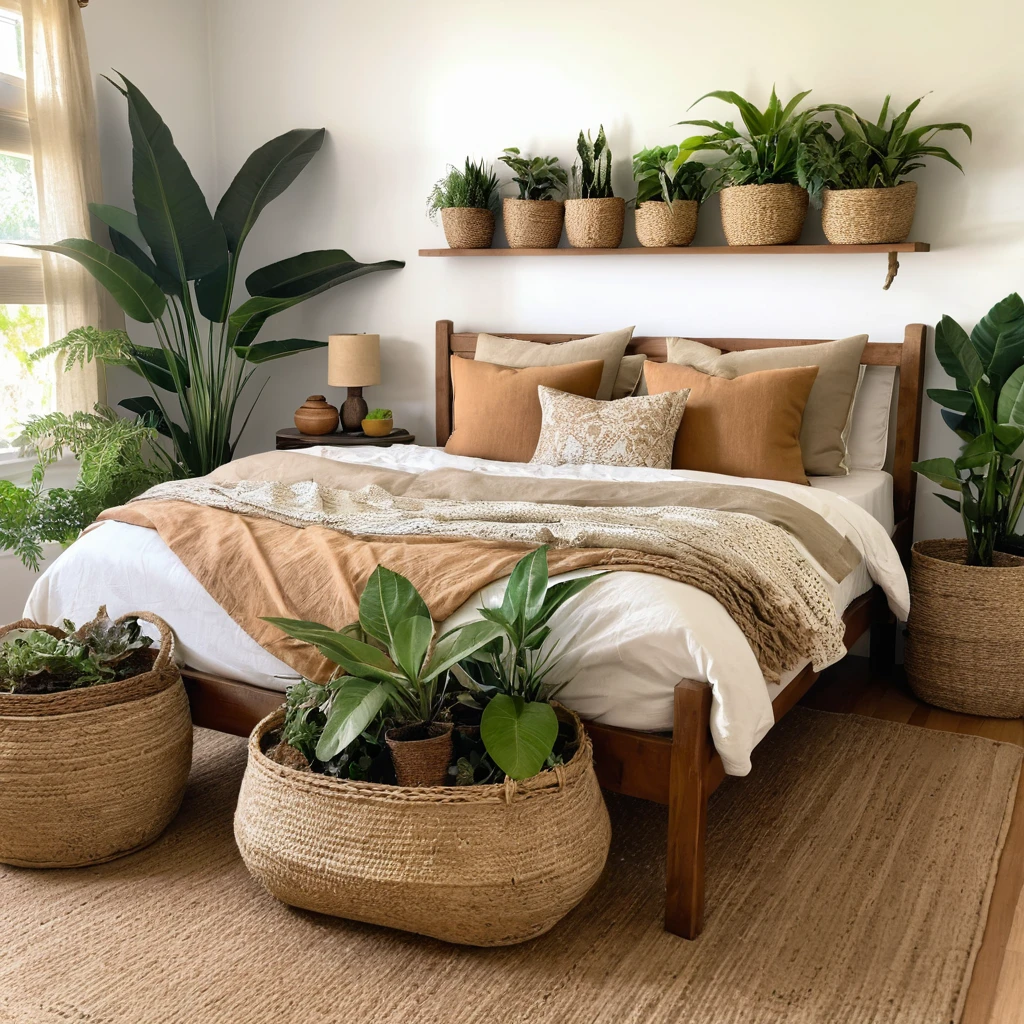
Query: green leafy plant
[
  {"x": 986, "y": 410},
  {"x": 665, "y": 173},
  {"x": 379, "y": 414},
  {"x": 475, "y": 186},
  {"x": 870, "y": 154},
  {"x": 591, "y": 174},
  {"x": 175, "y": 265},
  {"x": 538, "y": 177},
  {"x": 766, "y": 153}
]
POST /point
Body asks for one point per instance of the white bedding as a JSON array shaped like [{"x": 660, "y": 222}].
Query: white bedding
[{"x": 634, "y": 635}]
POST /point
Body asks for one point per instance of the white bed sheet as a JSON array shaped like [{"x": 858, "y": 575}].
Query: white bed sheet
[{"x": 634, "y": 635}]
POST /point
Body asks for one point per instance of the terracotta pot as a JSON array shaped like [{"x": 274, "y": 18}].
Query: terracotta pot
[
  {"x": 533, "y": 223},
  {"x": 421, "y": 753},
  {"x": 316, "y": 416},
  {"x": 868, "y": 216},
  {"x": 468, "y": 227},
  {"x": 658, "y": 224},
  {"x": 763, "y": 214},
  {"x": 378, "y": 428},
  {"x": 595, "y": 223}
]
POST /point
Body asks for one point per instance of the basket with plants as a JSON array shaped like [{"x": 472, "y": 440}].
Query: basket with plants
[
  {"x": 431, "y": 784},
  {"x": 594, "y": 215},
  {"x": 669, "y": 190},
  {"x": 534, "y": 219},
  {"x": 467, "y": 200}
]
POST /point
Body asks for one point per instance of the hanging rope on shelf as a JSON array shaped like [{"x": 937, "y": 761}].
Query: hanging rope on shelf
[{"x": 894, "y": 263}]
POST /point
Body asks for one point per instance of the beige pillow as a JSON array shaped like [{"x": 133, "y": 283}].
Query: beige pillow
[
  {"x": 629, "y": 432},
  {"x": 512, "y": 352},
  {"x": 828, "y": 408},
  {"x": 630, "y": 376},
  {"x": 497, "y": 411}
]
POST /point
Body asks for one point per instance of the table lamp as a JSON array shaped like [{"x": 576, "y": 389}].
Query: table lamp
[{"x": 353, "y": 362}]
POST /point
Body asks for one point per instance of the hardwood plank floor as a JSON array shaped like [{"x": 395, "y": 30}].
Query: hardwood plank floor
[{"x": 996, "y": 994}]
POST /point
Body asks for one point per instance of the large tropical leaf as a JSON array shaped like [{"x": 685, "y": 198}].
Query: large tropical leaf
[
  {"x": 354, "y": 706},
  {"x": 212, "y": 296},
  {"x": 957, "y": 354},
  {"x": 356, "y": 657},
  {"x": 959, "y": 401},
  {"x": 127, "y": 247},
  {"x": 387, "y": 599},
  {"x": 999, "y": 339},
  {"x": 310, "y": 273},
  {"x": 1010, "y": 408},
  {"x": 558, "y": 594},
  {"x": 263, "y": 351},
  {"x": 120, "y": 220},
  {"x": 519, "y": 735},
  {"x": 458, "y": 644},
  {"x": 940, "y": 471},
  {"x": 147, "y": 409},
  {"x": 524, "y": 595},
  {"x": 161, "y": 367},
  {"x": 411, "y": 643},
  {"x": 263, "y": 177}
]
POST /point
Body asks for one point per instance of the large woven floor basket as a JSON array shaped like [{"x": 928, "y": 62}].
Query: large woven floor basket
[
  {"x": 91, "y": 774},
  {"x": 478, "y": 865},
  {"x": 763, "y": 214},
  {"x": 966, "y": 631},
  {"x": 868, "y": 216}
]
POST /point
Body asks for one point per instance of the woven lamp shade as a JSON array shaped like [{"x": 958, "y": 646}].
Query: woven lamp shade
[{"x": 353, "y": 360}]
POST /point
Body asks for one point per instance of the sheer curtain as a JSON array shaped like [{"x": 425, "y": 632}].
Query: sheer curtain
[{"x": 65, "y": 150}]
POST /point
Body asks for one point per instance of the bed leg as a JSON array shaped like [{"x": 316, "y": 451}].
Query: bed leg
[
  {"x": 688, "y": 809},
  {"x": 882, "y": 650}
]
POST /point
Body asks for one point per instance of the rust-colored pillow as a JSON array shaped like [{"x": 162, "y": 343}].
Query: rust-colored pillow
[
  {"x": 744, "y": 426},
  {"x": 497, "y": 408}
]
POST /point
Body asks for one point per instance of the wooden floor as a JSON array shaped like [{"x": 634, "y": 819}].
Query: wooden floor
[{"x": 996, "y": 995}]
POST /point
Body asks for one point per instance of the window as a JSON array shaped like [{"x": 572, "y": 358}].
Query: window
[{"x": 26, "y": 388}]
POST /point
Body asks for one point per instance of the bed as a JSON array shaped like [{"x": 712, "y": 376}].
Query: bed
[{"x": 660, "y": 731}]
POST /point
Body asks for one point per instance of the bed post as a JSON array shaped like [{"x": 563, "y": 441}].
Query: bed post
[
  {"x": 442, "y": 381},
  {"x": 688, "y": 809}
]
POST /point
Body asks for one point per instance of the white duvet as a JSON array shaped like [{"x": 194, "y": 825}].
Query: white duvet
[{"x": 628, "y": 639}]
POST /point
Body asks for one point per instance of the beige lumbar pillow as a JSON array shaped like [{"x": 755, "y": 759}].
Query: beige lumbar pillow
[
  {"x": 629, "y": 432},
  {"x": 610, "y": 347},
  {"x": 827, "y": 414}
]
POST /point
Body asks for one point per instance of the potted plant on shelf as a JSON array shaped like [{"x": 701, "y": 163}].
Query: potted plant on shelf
[
  {"x": 966, "y": 627},
  {"x": 762, "y": 201},
  {"x": 534, "y": 220},
  {"x": 861, "y": 176},
  {"x": 669, "y": 190},
  {"x": 594, "y": 215},
  {"x": 378, "y": 423},
  {"x": 467, "y": 200}
]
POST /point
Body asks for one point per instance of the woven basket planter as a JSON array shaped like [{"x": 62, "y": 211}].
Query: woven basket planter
[
  {"x": 966, "y": 631},
  {"x": 595, "y": 223},
  {"x": 533, "y": 223},
  {"x": 659, "y": 224},
  {"x": 763, "y": 214},
  {"x": 92, "y": 774},
  {"x": 477, "y": 865},
  {"x": 868, "y": 216},
  {"x": 468, "y": 227}
]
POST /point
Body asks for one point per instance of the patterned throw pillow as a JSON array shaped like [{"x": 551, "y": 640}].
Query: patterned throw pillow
[{"x": 627, "y": 432}]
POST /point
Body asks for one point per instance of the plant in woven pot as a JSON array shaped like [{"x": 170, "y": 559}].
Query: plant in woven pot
[
  {"x": 762, "y": 202},
  {"x": 669, "y": 190},
  {"x": 594, "y": 215},
  {"x": 966, "y": 627},
  {"x": 95, "y": 740},
  {"x": 860, "y": 176},
  {"x": 467, "y": 200},
  {"x": 534, "y": 220}
]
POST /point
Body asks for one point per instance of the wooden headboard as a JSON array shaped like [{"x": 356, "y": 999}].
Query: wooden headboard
[{"x": 908, "y": 358}]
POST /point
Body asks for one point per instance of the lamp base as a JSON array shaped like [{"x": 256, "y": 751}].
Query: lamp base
[{"x": 353, "y": 411}]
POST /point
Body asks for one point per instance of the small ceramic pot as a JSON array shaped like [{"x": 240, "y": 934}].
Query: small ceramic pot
[
  {"x": 378, "y": 428},
  {"x": 316, "y": 416}
]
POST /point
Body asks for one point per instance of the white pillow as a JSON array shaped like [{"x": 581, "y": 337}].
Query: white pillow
[{"x": 868, "y": 442}]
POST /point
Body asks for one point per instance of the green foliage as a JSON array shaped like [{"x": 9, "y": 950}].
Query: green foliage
[
  {"x": 665, "y": 174},
  {"x": 766, "y": 152},
  {"x": 986, "y": 411},
  {"x": 33, "y": 661},
  {"x": 591, "y": 175},
  {"x": 379, "y": 414},
  {"x": 26, "y": 387},
  {"x": 538, "y": 177},
  {"x": 869, "y": 154},
  {"x": 474, "y": 187}
]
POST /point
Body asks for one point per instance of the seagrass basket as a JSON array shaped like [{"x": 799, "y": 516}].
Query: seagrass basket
[
  {"x": 966, "y": 630},
  {"x": 477, "y": 865},
  {"x": 533, "y": 223},
  {"x": 659, "y": 224},
  {"x": 91, "y": 774},
  {"x": 868, "y": 216},
  {"x": 468, "y": 227},
  {"x": 763, "y": 214},
  {"x": 595, "y": 223}
]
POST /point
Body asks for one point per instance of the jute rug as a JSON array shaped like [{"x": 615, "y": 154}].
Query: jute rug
[{"x": 848, "y": 880}]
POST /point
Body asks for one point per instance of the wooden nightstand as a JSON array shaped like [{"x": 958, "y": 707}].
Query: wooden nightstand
[{"x": 290, "y": 437}]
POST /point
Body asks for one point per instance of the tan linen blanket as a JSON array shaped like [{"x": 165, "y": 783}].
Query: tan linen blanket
[{"x": 300, "y": 540}]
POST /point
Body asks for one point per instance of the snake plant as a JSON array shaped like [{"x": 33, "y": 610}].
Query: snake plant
[{"x": 591, "y": 175}]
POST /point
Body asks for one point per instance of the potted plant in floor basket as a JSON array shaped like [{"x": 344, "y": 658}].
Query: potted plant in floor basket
[
  {"x": 594, "y": 215},
  {"x": 534, "y": 220},
  {"x": 95, "y": 740},
  {"x": 966, "y": 627},
  {"x": 762, "y": 202},
  {"x": 321, "y": 824},
  {"x": 669, "y": 190},
  {"x": 861, "y": 176},
  {"x": 467, "y": 200}
]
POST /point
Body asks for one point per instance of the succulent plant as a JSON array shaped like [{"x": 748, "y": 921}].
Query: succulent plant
[{"x": 591, "y": 175}]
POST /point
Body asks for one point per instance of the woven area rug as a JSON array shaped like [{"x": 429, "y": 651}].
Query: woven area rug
[{"x": 848, "y": 881}]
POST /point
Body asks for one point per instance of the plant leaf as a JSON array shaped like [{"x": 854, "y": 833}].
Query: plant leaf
[
  {"x": 148, "y": 411},
  {"x": 524, "y": 594},
  {"x": 1010, "y": 408},
  {"x": 458, "y": 644},
  {"x": 263, "y": 351},
  {"x": 122, "y": 221},
  {"x": 354, "y": 706},
  {"x": 124, "y": 246},
  {"x": 559, "y": 593},
  {"x": 957, "y": 354},
  {"x": 310, "y": 273},
  {"x": 940, "y": 471},
  {"x": 387, "y": 599},
  {"x": 999, "y": 339},
  {"x": 353, "y": 655},
  {"x": 959, "y": 401},
  {"x": 519, "y": 735},
  {"x": 411, "y": 643}
]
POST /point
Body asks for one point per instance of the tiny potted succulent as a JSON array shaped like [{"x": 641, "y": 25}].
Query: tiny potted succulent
[
  {"x": 669, "y": 190},
  {"x": 860, "y": 176},
  {"x": 594, "y": 215},
  {"x": 378, "y": 423},
  {"x": 467, "y": 200},
  {"x": 534, "y": 219}
]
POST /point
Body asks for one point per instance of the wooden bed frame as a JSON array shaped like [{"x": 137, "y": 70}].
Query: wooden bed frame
[{"x": 681, "y": 768}]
